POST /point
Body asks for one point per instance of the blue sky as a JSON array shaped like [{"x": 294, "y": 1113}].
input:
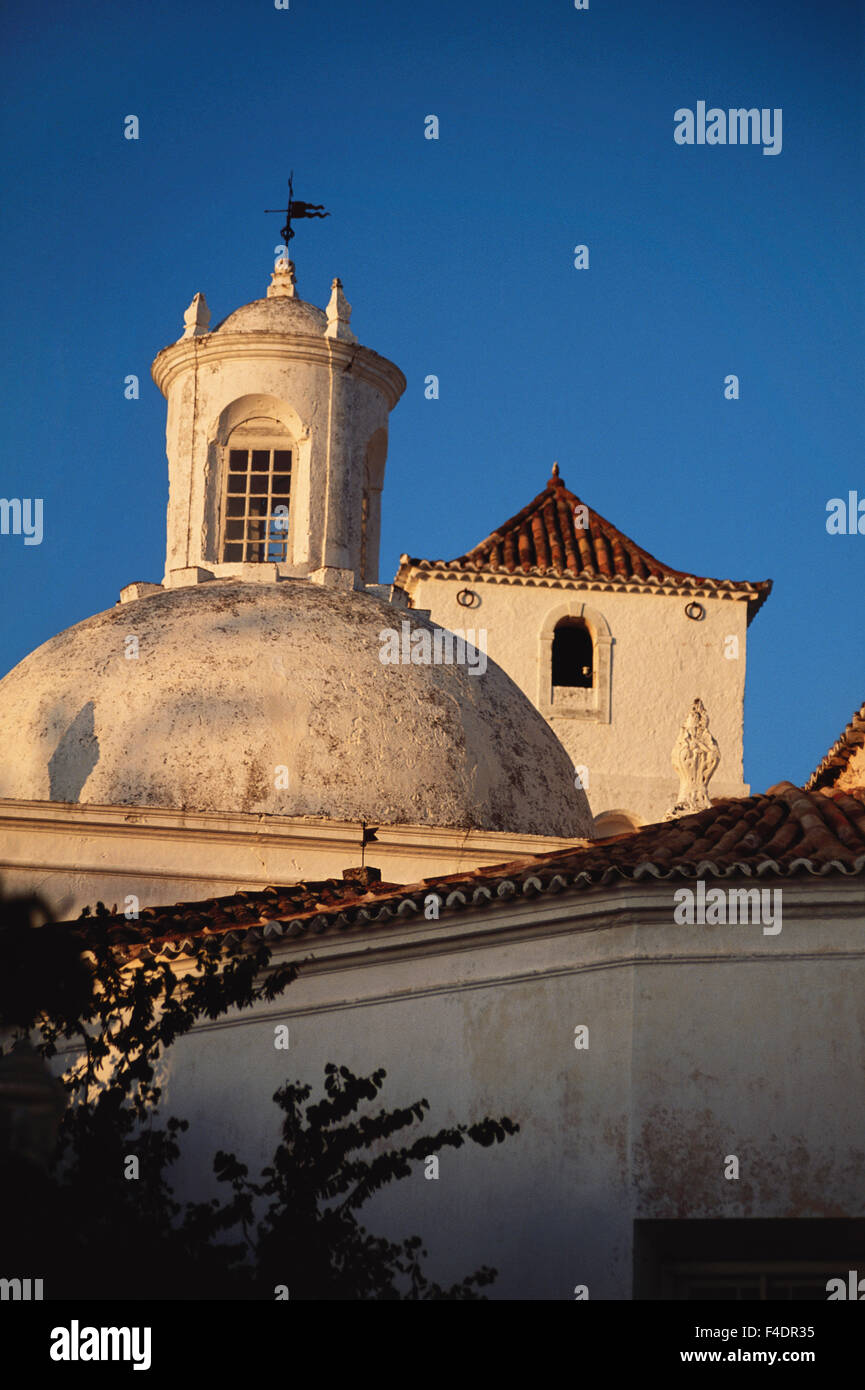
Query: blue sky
[{"x": 556, "y": 128}]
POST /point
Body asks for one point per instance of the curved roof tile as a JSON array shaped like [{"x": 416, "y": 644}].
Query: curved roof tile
[
  {"x": 543, "y": 539},
  {"x": 841, "y": 754},
  {"x": 787, "y": 832}
]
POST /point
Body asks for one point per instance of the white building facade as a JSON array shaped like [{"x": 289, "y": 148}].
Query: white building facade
[
  {"x": 608, "y": 643},
  {"x": 236, "y": 724},
  {"x": 688, "y": 1093},
  {"x": 218, "y": 749}
]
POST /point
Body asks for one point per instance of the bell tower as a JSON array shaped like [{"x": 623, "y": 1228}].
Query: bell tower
[{"x": 276, "y": 439}]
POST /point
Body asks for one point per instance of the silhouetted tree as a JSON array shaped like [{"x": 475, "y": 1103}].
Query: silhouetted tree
[{"x": 104, "y": 1236}]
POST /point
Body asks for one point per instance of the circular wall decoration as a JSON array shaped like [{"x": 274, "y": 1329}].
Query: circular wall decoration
[
  {"x": 468, "y": 598},
  {"x": 696, "y": 611}
]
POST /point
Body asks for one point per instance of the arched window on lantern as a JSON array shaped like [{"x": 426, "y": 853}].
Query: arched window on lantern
[{"x": 255, "y": 502}]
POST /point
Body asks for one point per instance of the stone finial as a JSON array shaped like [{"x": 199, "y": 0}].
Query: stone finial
[
  {"x": 196, "y": 318},
  {"x": 283, "y": 284},
  {"x": 695, "y": 757},
  {"x": 338, "y": 315}
]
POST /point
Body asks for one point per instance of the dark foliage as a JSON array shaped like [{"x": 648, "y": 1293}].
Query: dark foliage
[{"x": 96, "y": 1233}]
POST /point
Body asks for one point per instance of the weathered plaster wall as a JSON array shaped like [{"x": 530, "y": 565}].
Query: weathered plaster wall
[
  {"x": 661, "y": 661},
  {"x": 704, "y": 1042}
]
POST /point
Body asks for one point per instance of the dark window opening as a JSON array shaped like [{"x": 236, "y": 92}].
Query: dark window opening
[
  {"x": 573, "y": 663},
  {"x": 760, "y": 1260}
]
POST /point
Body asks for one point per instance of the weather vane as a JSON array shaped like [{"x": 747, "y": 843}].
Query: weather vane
[{"x": 296, "y": 210}]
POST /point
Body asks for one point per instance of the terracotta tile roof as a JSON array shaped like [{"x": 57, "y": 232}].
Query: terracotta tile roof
[
  {"x": 840, "y": 756},
  {"x": 785, "y": 833},
  {"x": 544, "y": 540}
]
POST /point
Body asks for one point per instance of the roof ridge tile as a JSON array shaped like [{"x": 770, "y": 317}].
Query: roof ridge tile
[{"x": 542, "y": 540}]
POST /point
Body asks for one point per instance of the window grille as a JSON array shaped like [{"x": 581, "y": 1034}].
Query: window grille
[{"x": 256, "y": 505}]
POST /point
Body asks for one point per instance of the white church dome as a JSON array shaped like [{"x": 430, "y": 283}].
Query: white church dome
[
  {"x": 275, "y": 315},
  {"x": 273, "y": 698}
]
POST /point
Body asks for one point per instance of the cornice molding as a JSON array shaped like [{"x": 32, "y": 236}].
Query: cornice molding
[
  {"x": 364, "y": 362},
  {"x": 47, "y": 817},
  {"x": 410, "y": 572}
]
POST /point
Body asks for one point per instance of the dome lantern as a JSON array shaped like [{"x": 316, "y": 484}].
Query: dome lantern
[{"x": 276, "y": 438}]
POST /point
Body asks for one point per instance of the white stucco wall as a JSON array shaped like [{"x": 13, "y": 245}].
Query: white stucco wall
[
  {"x": 660, "y": 662},
  {"x": 704, "y": 1042}
]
